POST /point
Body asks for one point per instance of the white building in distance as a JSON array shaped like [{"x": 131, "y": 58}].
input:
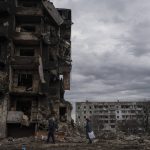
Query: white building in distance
[{"x": 126, "y": 115}]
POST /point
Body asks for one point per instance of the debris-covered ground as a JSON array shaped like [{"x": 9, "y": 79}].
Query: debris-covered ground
[{"x": 72, "y": 139}]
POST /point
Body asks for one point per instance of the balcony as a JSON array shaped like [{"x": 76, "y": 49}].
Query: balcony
[
  {"x": 21, "y": 62},
  {"x": 21, "y": 90},
  {"x": 26, "y": 11},
  {"x": 26, "y": 38}
]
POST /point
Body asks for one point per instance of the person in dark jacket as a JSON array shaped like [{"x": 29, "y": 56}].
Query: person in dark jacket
[
  {"x": 88, "y": 128},
  {"x": 51, "y": 130}
]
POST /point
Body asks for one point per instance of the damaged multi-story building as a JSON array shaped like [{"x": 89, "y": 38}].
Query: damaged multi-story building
[
  {"x": 35, "y": 65},
  {"x": 128, "y": 116}
]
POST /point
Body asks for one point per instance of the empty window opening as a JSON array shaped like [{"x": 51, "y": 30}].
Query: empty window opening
[
  {"x": 24, "y": 106},
  {"x": 26, "y": 52},
  {"x": 53, "y": 79},
  {"x": 27, "y": 29},
  {"x": 63, "y": 114},
  {"x": 52, "y": 58},
  {"x": 112, "y": 126},
  {"x": 25, "y": 80}
]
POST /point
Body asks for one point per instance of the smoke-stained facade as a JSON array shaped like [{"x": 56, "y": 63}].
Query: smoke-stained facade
[{"x": 35, "y": 65}]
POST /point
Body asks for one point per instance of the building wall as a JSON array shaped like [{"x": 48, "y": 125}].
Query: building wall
[{"x": 113, "y": 115}]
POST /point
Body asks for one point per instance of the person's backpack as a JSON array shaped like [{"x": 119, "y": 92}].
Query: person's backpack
[{"x": 51, "y": 125}]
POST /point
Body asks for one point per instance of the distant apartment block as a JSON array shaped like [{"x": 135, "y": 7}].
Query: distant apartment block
[{"x": 114, "y": 115}]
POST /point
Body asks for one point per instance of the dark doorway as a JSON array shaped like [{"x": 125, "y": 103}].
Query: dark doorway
[
  {"x": 63, "y": 114},
  {"x": 18, "y": 131},
  {"x": 24, "y": 106}
]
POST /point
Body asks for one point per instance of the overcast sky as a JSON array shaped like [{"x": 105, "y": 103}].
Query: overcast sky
[{"x": 110, "y": 49}]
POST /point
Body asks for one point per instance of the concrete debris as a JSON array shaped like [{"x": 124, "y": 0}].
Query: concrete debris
[{"x": 131, "y": 142}]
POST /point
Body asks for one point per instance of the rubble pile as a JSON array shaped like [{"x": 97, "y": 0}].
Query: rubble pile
[
  {"x": 107, "y": 135},
  {"x": 71, "y": 134},
  {"x": 66, "y": 133}
]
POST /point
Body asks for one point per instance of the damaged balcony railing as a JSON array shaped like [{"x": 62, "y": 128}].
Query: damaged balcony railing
[
  {"x": 26, "y": 11},
  {"x": 26, "y": 38},
  {"x": 25, "y": 61}
]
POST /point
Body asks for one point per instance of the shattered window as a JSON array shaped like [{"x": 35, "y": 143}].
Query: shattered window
[{"x": 25, "y": 80}]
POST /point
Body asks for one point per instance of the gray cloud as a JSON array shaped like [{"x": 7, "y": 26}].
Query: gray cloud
[{"x": 110, "y": 48}]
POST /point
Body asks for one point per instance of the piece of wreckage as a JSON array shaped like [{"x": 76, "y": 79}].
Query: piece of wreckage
[{"x": 35, "y": 65}]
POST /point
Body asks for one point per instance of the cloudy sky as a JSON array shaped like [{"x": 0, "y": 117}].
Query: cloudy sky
[{"x": 110, "y": 49}]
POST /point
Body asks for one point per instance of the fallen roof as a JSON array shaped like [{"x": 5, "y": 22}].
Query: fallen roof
[{"x": 53, "y": 12}]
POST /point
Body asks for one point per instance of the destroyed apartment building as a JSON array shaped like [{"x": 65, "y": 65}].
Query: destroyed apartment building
[
  {"x": 127, "y": 116},
  {"x": 35, "y": 65}
]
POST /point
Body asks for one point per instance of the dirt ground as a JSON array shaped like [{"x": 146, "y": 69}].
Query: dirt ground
[{"x": 128, "y": 143}]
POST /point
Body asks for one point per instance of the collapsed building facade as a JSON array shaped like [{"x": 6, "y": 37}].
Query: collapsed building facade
[{"x": 35, "y": 65}]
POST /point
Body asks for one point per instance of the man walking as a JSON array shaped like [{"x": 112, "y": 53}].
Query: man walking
[{"x": 51, "y": 130}]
